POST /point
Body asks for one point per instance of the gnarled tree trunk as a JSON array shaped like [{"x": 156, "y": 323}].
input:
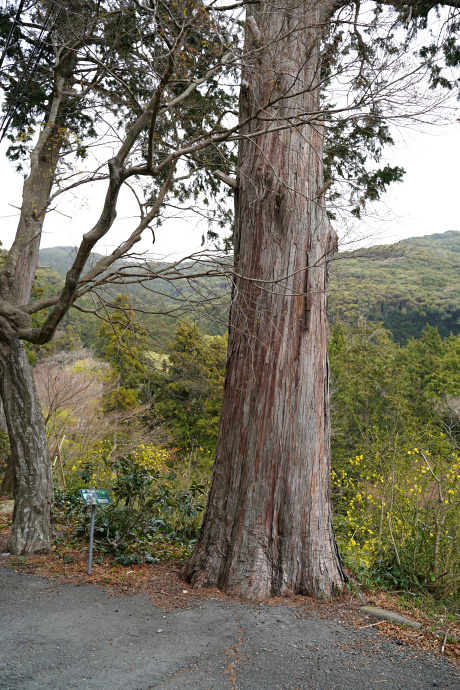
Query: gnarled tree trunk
[
  {"x": 6, "y": 486},
  {"x": 32, "y": 478},
  {"x": 32, "y": 473},
  {"x": 267, "y": 529}
]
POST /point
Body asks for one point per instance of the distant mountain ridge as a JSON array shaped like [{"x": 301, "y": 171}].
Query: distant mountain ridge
[
  {"x": 405, "y": 286},
  {"x": 60, "y": 259}
]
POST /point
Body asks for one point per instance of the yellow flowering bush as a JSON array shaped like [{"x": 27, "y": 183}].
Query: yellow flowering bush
[
  {"x": 152, "y": 457},
  {"x": 95, "y": 466},
  {"x": 397, "y": 513}
]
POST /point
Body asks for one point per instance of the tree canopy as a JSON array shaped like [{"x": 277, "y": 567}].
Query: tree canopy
[{"x": 142, "y": 96}]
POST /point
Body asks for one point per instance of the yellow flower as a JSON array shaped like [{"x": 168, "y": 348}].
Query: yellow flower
[{"x": 74, "y": 468}]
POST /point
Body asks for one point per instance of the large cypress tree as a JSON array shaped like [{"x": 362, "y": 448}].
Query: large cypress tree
[{"x": 319, "y": 85}]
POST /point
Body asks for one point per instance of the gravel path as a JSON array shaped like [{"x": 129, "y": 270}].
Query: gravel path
[{"x": 59, "y": 636}]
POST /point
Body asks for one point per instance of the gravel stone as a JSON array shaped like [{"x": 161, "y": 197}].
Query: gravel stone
[{"x": 58, "y": 636}]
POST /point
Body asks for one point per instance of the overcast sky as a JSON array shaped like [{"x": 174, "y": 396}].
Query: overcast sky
[{"x": 426, "y": 202}]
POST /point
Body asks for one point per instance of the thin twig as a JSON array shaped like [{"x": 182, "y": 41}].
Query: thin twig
[
  {"x": 371, "y": 625},
  {"x": 444, "y": 641}
]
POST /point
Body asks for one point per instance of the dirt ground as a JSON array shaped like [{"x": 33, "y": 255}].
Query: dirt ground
[{"x": 141, "y": 627}]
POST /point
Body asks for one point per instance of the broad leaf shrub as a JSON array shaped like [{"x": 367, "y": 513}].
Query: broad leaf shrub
[{"x": 151, "y": 517}]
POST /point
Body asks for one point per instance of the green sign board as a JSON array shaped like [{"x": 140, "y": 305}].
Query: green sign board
[{"x": 95, "y": 497}]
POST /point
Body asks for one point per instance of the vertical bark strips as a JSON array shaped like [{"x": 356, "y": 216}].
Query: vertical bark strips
[
  {"x": 267, "y": 530},
  {"x": 32, "y": 479},
  {"x": 36, "y": 194},
  {"x": 32, "y": 472}
]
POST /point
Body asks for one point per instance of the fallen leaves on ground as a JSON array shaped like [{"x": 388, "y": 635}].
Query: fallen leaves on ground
[
  {"x": 161, "y": 582},
  {"x": 167, "y": 591}
]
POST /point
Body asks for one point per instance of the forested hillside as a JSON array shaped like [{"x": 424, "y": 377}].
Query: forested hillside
[
  {"x": 160, "y": 303},
  {"x": 143, "y": 413},
  {"x": 414, "y": 283}
]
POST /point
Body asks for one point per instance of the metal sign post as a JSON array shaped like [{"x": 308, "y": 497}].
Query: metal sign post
[
  {"x": 91, "y": 536},
  {"x": 93, "y": 498}
]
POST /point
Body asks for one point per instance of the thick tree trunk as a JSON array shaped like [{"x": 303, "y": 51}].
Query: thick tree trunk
[
  {"x": 32, "y": 474},
  {"x": 267, "y": 529},
  {"x": 32, "y": 479},
  {"x": 7, "y": 481},
  {"x": 35, "y": 197}
]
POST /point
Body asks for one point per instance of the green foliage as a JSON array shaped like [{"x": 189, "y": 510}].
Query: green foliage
[
  {"x": 121, "y": 399},
  {"x": 112, "y": 53},
  {"x": 34, "y": 107},
  {"x": 349, "y": 147},
  {"x": 68, "y": 502},
  {"x": 69, "y": 340},
  {"x": 151, "y": 518},
  {"x": 395, "y": 458},
  {"x": 405, "y": 287},
  {"x": 190, "y": 391},
  {"x": 121, "y": 342},
  {"x": 366, "y": 385},
  {"x": 434, "y": 363}
]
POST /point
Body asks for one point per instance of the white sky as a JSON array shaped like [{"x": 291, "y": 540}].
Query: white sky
[{"x": 426, "y": 202}]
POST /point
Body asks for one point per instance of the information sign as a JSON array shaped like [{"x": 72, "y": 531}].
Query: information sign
[{"x": 95, "y": 497}]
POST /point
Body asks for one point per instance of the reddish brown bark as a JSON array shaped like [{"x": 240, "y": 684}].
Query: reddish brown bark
[{"x": 267, "y": 530}]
